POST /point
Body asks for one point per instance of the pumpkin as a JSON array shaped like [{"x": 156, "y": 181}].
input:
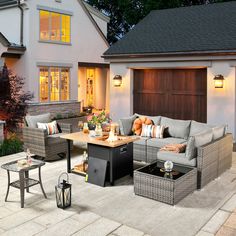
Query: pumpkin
[{"x": 137, "y": 125}]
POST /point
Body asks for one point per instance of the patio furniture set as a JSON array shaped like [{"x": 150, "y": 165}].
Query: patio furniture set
[{"x": 208, "y": 154}]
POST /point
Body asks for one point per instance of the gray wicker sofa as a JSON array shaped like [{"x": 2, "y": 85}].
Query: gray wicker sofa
[{"x": 208, "y": 147}]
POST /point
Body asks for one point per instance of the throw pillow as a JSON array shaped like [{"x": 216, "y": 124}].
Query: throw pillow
[
  {"x": 125, "y": 125},
  {"x": 157, "y": 131},
  {"x": 137, "y": 125},
  {"x": 146, "y": 130},
  {"x": 51, "y": 128}
]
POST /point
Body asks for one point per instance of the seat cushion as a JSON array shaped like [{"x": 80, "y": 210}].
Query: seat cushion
[
  {"x": 161, "y": 142},
  {"x": 178, "y": 158},
  {"x": 198, "y": 127},
  {"x": 141, "y": 141},
  {"x": 33, "y": 120},
  {"x": 155, "y": 119},
  {"x": 176, "y": 128},
  {"x": 126, "y": 125}
]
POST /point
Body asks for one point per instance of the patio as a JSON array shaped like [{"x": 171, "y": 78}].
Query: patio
[{"x": 115, "y": 210}]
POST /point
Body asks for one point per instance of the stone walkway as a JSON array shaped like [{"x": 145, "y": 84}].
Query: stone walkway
[{"x": 114, "y": 211}]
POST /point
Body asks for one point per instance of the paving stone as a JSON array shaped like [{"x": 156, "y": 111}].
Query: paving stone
[
  {"x": 53, "y": 217},
  {"x": 19, "y": 218},
  {"x": 231, "y": 221},
  {"x": 26, "y": 229},
  {"x": 1, "y": 231},
  {"x": 230, "y": 205},
  {"x": 64, "y": 228},
  {"x": 127, "y": 231},
  {"x": 203, "y": 233},
  {"x": 85, "y": 217},
  {"x": 216, "y": 222},
  {"x": 101, "y": 227},
  {"x": 226, "y": 231},
  {"x": 5, "y": 212}
]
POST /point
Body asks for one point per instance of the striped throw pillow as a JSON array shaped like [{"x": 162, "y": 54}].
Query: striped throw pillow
[
  {"x": 50, "y": 127},
  {"x": 157, "y": 131},
  {"x": 154, "y": 131}
]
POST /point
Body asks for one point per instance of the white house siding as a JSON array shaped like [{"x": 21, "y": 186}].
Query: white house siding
[
  {"x": 87, "y": 44},
  {"x": 221, "y": 103},
  {"x": 10, "y": 24}
]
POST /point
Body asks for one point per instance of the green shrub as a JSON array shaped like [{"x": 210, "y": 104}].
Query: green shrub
[{"x": 11, "y": 146}]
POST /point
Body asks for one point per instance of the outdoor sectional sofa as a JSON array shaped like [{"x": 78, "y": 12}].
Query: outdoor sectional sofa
[{"x": 208, "y": 147}]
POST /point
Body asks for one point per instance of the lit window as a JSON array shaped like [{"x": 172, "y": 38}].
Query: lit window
[
  {"x": 57, "y": 87},
  {"x": 54, "y": 27}
]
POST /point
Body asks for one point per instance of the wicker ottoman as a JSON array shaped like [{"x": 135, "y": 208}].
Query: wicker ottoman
[{"x": 150, "y": 182}]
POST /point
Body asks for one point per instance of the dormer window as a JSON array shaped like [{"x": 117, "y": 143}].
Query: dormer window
[{"x": 54, "y": 27}]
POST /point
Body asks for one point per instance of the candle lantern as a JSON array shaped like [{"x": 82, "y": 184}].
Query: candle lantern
[{"x": 63, "y": 192}]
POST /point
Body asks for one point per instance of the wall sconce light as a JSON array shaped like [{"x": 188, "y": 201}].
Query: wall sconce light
[
  {"x": 219, "y": 81},
  {"x": 117, "y": 80}
]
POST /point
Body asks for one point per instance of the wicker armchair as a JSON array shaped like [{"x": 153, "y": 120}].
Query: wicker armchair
[{"x": 50, "y": 147}]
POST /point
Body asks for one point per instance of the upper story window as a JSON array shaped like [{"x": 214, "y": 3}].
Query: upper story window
[{"x": 54, "y": 27}]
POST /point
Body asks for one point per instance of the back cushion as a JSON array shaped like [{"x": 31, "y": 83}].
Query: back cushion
[
  {"x": 33, "y": 120},
  {"x": 176, "y": 128},
  {"x": 126, "y": 125},
  {"x": 219, "y": 131},
  {"x": 155, "y": 119},
  {"x": 197, "y": 127}
]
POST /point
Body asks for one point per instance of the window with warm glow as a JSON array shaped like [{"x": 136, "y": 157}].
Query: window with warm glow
[
  {"x": 54, "y": 27},
  {"x": 54, "y": 84}
]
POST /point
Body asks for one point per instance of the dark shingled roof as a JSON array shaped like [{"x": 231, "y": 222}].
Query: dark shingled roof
[
  {"x": 4, "y": 3},
  {"x": 202, "y": 28}
]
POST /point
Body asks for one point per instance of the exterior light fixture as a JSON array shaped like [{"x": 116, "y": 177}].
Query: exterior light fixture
[
  {"x": 219, "y": 81},
  {"x": 117, "y": 80}
]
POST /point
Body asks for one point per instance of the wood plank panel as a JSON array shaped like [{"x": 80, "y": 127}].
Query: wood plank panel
[{"x": 175, "y": 93}]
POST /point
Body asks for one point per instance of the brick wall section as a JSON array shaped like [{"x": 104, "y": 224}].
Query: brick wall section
[
  {"x": 63, "y": 108},
  {"x": 2, "y": 123}
]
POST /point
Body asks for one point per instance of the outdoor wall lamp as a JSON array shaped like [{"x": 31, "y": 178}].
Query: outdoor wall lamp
[
  {"x": 219, "y": 81},
  {"x": 117, "y": 80}
]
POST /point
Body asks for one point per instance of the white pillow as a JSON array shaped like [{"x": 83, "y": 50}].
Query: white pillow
[{"x": 50, "y": 127}]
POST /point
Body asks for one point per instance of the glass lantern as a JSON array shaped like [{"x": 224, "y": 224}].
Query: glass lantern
[{"x": 63, "y": 192}]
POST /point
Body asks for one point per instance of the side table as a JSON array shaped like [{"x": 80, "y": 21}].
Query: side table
[{"x": 24, "y": 181}]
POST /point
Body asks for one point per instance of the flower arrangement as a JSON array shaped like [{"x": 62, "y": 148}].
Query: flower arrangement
[{"x": 98, "y": 118}]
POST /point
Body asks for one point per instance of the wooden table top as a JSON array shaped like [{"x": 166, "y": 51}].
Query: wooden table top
[{"x": 81, "y": 137}]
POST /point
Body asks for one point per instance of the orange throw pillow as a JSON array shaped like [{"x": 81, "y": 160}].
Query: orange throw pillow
[{"x": 137, "y": 125}]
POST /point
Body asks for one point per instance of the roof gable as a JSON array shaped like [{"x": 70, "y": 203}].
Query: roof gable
[{"x": 188, "y": 29}]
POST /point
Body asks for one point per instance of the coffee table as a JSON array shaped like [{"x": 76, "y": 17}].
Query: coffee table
[
  {"x": 118, "y": 154},
  {"x": 24, "y": 181},
  {"x": 150, "y": 181}
]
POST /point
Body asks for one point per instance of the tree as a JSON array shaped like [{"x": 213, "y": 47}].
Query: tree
[
  {"x": 124, "y": 14},
  {"x": 13, "y": 100}
]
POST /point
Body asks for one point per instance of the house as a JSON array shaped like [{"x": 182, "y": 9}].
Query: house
[
  {"x": 57, "y": 46},
  {"x": 169, "y": 63}
]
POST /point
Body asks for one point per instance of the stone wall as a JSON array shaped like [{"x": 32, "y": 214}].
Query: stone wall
[
  {"x": 2, "y": 123},
  {"x": 64, "y": 109}
]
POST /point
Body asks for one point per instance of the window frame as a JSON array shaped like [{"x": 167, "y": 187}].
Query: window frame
[
  {"x": 59, "y": 84},
  {"x": 50, "y": 27}
]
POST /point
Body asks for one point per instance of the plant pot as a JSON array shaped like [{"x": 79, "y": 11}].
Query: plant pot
[{"x": 91, "y": 126}]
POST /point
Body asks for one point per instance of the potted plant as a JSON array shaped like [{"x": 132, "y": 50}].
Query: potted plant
[{"x": 98, "y": 119}]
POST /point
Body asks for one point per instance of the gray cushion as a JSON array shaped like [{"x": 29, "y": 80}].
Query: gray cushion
[
  {"x": 178, "y": 158},
  {"x": 141, "y": 141},
  {"x": 161, "y": 142},
  {"x": 155, "y": 119},
  {"x": 218, "y": 131},
  {"x": 56, "y": 135},
  {"x": 191, "y": 151},
  {"x": 203, "y": 138},
  {"x": 197, "y": 127},
  {"x": 177, "y": 128},
  {"x": 33, "y": 120},
  {"x": 126, "y": 125}
]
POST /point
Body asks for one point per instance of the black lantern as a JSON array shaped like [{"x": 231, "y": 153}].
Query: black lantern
[
  {"x": 63, "y": 192},
  {"x": 117, "y": 80},
  {"x": 219, "y": 81}
]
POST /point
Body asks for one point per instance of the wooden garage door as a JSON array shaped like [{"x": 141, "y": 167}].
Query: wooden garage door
[{"x": 175, "y": 93}]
